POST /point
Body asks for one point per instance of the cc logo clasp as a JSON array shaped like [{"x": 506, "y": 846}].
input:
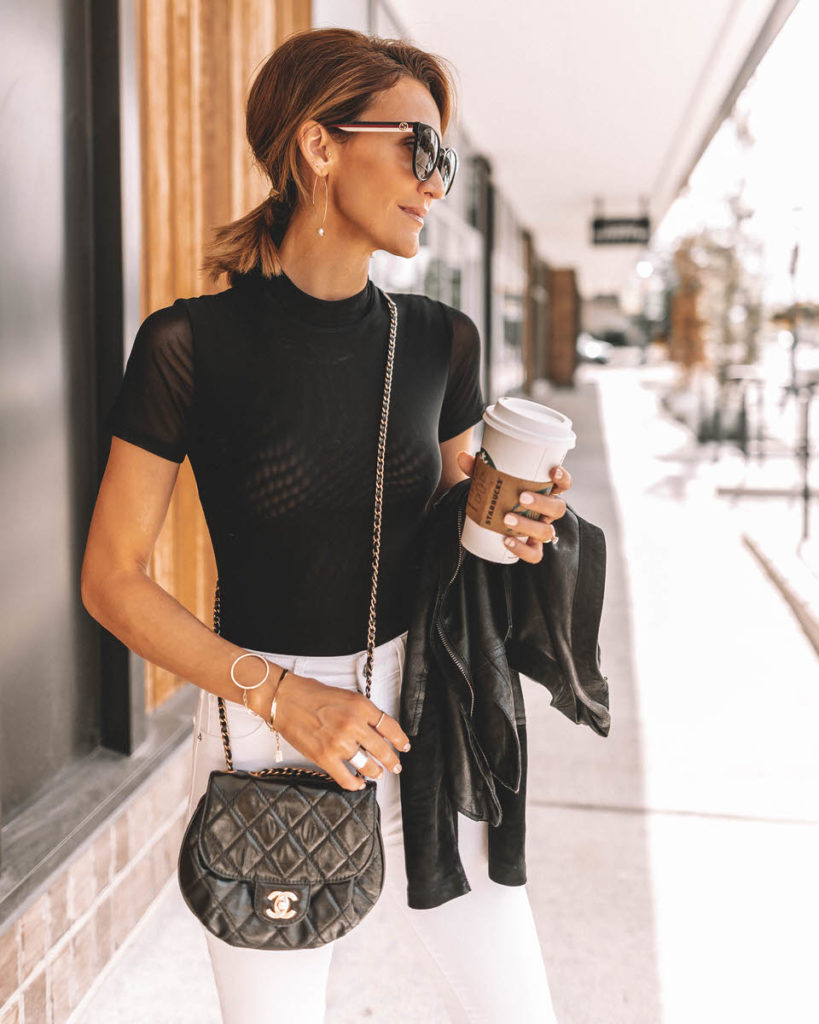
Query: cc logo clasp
[{"x": 281, "y": 904}]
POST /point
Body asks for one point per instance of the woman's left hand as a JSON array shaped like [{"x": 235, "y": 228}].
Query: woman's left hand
[{"x": 532, "y": 534}]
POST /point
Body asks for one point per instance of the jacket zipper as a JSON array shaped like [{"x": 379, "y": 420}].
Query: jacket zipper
[{"x": 444, "y": 640}]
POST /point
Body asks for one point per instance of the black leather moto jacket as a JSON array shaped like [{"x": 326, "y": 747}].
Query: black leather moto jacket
[{"x": 474, "y": 627}]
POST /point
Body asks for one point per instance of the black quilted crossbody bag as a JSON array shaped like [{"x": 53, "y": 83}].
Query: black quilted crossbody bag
[{"x": 287, "y": 858}]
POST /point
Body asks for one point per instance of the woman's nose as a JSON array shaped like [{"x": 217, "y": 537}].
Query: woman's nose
[{"x": 435, "y": 184}]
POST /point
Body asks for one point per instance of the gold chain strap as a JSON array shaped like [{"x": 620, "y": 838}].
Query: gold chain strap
[{"x": 379, "y": 492}]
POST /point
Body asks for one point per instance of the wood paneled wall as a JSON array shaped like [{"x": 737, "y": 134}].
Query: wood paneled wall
[
  {"x": 197, "y": 61},
  {"x": 564, "y": 326},
  {"x": 529, "y": 313}
]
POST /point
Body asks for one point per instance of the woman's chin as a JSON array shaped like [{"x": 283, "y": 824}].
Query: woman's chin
[{"x": 406, "y": 246}]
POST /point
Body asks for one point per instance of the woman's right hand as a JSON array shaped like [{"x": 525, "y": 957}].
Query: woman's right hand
[{"x": 328, "y": 724}]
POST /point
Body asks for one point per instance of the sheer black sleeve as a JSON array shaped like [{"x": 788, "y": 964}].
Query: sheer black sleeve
[
  {"x": 463, "y": 404},
  {"x": 153, "y": 406}
]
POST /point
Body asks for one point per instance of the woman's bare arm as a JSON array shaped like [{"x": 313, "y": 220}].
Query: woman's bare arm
[
  {"x": 117, "y": 591},
  {"x": 322, "y": 722}
]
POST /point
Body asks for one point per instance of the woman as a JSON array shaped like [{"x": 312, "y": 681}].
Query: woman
[{"x": 273, "y": 388}]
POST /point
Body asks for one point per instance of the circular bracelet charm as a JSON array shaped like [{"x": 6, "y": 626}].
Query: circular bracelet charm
[{"x": 255, "y": 686}]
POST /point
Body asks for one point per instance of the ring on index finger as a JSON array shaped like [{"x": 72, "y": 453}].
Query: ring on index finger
[
  {"x": 379, "y": 721},
  {"x": 543, "y": 518}
]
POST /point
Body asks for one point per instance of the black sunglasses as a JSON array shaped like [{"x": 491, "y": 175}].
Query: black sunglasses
[{"x": 427, "y": 153}]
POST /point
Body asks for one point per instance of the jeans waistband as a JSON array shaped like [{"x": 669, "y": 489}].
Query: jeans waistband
[{"x": 387, "y": 656}]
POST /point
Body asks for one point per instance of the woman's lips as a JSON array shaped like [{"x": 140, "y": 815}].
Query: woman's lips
[{"x": 415, "y": 217}]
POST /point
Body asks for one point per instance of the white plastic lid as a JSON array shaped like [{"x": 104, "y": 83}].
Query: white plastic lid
[{"x": 530, "y": 421}]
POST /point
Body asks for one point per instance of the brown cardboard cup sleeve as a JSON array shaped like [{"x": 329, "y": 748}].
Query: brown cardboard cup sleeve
[{"x": 492, "y": 494}]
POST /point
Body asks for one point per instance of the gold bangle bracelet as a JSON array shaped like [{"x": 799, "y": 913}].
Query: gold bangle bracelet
[{"x": 273, "y": 709}]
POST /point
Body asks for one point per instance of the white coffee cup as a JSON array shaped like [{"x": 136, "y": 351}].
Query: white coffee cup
[{"x": 527, "y": 440}]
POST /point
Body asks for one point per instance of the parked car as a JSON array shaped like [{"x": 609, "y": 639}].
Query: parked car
[{"x": 618, "y": 338}]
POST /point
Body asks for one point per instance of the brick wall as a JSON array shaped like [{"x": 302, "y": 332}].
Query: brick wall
[{"x": 55, "y": 949}]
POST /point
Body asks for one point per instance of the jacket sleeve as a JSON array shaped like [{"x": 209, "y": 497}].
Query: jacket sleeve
[
  {"x": 557, "y": 606},
  {"x": 435, "y": 873}
]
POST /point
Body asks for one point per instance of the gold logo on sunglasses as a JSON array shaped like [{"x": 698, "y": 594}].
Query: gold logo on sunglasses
[{"x": 403, "y": 127}]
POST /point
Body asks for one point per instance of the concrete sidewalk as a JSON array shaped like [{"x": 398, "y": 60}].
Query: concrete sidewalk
[
  {"x": 671, "y": 864},
  {"x": 700, "y": 805}
]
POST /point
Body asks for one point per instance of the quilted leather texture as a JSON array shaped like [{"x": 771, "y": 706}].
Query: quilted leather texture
[{"x": 301, "y": 848}]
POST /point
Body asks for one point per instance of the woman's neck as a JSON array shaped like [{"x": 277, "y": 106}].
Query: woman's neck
[{"x": 332, "y": 267}]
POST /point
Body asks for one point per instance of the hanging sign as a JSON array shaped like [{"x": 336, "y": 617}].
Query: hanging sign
[{"x": 621, "y": 230}]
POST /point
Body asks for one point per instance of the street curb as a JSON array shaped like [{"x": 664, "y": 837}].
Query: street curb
[{"x": 799, "y": 603}]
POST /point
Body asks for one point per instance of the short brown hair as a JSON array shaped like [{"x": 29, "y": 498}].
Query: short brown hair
[{"x": 327, "y": 75}]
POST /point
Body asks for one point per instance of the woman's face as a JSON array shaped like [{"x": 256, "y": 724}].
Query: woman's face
[{"x": 372, "y": 178}]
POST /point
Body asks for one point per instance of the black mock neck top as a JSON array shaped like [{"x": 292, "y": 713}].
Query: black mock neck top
[{"x": 275, "y": 396}]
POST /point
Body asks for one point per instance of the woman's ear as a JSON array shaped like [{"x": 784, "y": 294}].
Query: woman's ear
[{"x": 313, "y": 143}]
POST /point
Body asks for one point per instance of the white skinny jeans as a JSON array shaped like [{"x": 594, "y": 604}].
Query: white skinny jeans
[{"x": 482, "y": 948}]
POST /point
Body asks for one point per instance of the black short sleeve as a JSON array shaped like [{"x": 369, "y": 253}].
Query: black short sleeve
[
  {"x": 463, "y": 404},
  {"x": 153, "y": 406}
]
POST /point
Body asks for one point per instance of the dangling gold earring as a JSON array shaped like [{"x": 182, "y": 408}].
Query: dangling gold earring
[{"x": 326, "y": 194}]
